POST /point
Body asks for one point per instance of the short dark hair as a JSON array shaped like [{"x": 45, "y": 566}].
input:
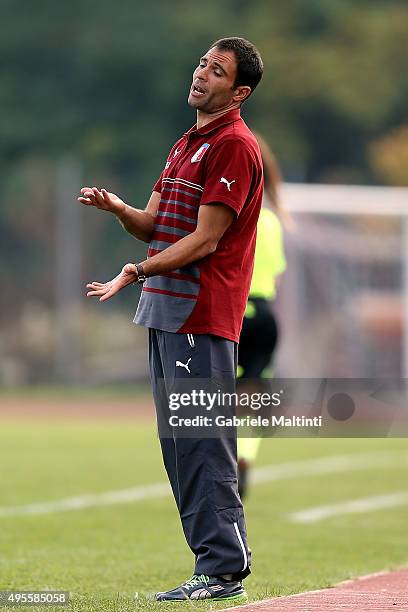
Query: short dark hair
[{"x": 249, "y": 61}]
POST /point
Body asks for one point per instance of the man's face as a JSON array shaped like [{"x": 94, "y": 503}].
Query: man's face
[{"x": 213, "y": 88}]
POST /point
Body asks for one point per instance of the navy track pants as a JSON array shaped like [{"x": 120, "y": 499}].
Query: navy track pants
[{"x": 202, "y": 470}]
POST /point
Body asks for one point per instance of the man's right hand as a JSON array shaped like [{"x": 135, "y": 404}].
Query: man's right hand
[{"x": 91, "y": 196}]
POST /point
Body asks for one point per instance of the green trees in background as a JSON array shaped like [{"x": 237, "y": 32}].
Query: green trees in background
[
  {"x": 109, "y": 82},
  {"x": 106, "y": 84}
]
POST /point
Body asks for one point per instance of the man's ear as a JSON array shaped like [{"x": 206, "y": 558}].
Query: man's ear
[{"x": 241, "y": 93}]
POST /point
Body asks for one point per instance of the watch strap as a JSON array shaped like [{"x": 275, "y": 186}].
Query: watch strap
[{"x": 141, "y": 276}]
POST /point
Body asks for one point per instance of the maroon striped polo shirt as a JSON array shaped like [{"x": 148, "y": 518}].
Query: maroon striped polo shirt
[{"x": 219, "y": 162}]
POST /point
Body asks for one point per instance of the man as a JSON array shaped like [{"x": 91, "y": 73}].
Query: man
[{"x": 200, "y": 223}]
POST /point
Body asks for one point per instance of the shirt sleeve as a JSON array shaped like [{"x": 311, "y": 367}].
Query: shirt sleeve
[
  {"x": 158, "y": 184},
  {"x": 230, "y": 171}
]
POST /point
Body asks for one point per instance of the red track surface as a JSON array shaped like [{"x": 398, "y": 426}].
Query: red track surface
[{"x": 385, "y": 592}]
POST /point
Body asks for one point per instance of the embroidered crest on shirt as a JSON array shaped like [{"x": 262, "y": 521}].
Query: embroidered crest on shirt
[{"x": 198, "y": 155}]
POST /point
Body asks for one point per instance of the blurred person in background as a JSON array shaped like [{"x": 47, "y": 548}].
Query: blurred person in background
[
  {"x": 260, "y": 333},
  {"x": 200, "y": 223}
]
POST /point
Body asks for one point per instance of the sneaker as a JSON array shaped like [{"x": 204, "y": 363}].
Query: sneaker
[{"x": 206, "y": 587}]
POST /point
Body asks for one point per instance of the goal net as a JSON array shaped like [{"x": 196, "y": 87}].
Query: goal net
[{"x": 342, "y": 303}]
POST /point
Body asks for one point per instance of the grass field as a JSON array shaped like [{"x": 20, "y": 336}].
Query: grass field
[{"x": 103, "y": 555}]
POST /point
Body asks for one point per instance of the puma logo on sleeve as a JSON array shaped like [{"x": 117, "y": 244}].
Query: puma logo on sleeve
[{"x": 228, "y": 183}]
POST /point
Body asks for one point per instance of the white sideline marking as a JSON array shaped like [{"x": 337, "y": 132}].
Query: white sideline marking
[
  {"x": 281, "y": 471},
  {"x": 331, "y": 464},
  {"x": 354, "y": 506},
  {"x": 124, "y": 496}
]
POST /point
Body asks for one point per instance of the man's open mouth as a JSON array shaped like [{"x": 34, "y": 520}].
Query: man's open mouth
[{"x": 196, "y": 89}]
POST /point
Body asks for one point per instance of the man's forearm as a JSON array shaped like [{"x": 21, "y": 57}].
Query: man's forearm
[
  {"x": 138, "y": 223},
  {"x": 187, "y": 250}
]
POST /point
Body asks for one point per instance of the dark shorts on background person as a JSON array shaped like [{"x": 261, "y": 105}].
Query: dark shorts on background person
[
  {"x": 202, "y": 470},
  {"x": 258, "y": 339}
]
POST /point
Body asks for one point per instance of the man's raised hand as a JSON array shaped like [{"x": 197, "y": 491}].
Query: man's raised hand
[
  {"x": 102, "y": 199},
  {"x": 107, "y": 290}
]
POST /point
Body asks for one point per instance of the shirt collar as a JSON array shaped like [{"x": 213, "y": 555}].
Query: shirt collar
[{"x": 229, "y": 117}]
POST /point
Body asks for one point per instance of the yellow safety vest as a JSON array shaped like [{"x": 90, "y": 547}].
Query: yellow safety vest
[{"x": 270, "y": 259}]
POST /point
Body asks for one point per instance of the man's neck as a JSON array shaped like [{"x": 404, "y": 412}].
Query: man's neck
[{"x": 205, "y": 118}]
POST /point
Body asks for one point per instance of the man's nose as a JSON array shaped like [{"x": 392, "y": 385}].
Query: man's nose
[{"x": 201, "y": 72}]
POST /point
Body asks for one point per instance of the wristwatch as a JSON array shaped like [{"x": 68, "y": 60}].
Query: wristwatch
[{"x": 141, "y": 276}]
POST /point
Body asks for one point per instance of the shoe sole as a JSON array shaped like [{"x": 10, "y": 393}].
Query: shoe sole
[{"x": 239, "y": 597}]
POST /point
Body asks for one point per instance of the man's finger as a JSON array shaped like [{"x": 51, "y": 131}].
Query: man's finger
[
  {"x": 96, "y": 292},
  {"x": 107, "y": 296},
  {"x": 97, "y": 287},
  {"x": 98, "y": 196},
  {"x": 86, "y": 201},
  {"x": 84, "y": 189},
  {"x": 100, "y": 289},
  {"x": 106, "y": 196},
  {"x": 91, "y": 198}
]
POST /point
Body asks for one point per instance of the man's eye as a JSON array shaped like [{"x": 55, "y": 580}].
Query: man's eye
[{"x": 217, "y": 73}]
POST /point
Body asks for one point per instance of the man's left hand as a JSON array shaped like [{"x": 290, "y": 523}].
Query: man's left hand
[{"x": 107, "y": 290}]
